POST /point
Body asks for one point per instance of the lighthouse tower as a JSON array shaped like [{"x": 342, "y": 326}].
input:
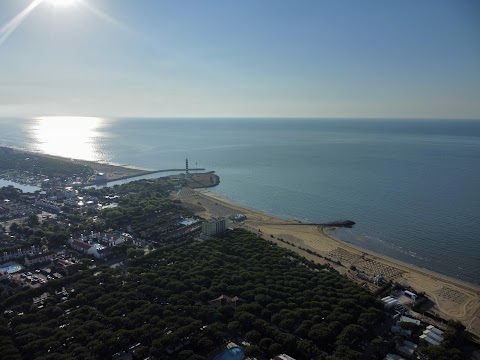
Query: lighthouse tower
[{"x": 187, "y": 173}]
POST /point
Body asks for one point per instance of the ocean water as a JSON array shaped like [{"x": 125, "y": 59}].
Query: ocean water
[{"x": 412, "y": 186}]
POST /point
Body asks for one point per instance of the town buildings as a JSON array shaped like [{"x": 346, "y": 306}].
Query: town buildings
[
  {"x": 99, "y": 245},
  {"x": 19, "y": 253},
  {"x": 432, "y": 335},
  {"x": 40, "y": 258},
  {"x": 214, "y": 226}
]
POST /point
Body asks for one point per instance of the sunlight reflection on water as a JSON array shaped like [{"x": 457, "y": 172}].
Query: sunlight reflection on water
[{"x": 71, "y": 137}]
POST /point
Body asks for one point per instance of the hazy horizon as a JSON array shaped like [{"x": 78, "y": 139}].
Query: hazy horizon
[
  {"x": 374, "y": 59},
  {"x": 221, "y": 117}
]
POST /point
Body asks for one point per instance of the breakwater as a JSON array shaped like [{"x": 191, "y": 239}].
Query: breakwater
[
  {"x": 140, "y": 176},
  {"x": 339, "y": 223}
]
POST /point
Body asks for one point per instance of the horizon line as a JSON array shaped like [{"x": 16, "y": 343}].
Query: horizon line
[{"x": 250, "y": 117}]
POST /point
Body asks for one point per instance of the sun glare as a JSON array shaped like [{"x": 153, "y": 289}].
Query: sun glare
[
  {"x": 68, "y": 136},
  {"x": 62, "y": 2}
]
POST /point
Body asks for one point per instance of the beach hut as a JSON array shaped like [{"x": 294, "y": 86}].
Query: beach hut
[
  {"x": 429, "y": 340},
  {"x": 411, "y": 295},
  {"x": 434, "y": 330},
  {"x": 409, "y": 320}
]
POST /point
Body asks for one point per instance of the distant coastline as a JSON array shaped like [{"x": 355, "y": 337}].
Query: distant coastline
[{"x": 113, "y": 172}]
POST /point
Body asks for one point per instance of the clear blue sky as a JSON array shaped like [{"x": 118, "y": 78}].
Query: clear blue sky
[{"x": 395, "y": 58}]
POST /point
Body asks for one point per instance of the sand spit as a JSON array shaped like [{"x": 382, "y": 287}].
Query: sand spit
[{"x": 112, "y": 172}]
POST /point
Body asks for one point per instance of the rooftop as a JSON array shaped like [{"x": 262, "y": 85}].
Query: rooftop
[
  {"x": 81, "y": 244},
  {"x": 41, "y": 255},
  {"x": 409, "y": 320},
  {"x": 99, "y": 246}
]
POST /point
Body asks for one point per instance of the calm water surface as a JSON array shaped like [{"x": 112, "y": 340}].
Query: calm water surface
[{"x": 412, "y": 186}]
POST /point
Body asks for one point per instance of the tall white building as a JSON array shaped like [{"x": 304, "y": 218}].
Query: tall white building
[{"x": 214, "y": 227}]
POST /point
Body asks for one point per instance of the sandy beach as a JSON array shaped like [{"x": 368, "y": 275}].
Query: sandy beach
[{"x": 451, "y": 298}]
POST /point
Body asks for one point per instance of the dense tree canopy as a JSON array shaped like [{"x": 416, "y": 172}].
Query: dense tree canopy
[
  {"x": 290, "y": 305},
  {"x": 49, "y": 166}
]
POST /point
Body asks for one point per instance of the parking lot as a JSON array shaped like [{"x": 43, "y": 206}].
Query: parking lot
[{"x": 34, "y": 277}]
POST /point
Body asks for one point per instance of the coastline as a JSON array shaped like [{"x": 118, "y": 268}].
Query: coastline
[
  {"x": 113, "y": 172},
  {"x": 452, "y": 298}
]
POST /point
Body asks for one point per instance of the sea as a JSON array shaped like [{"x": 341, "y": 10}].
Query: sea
[{"x": 412, "y": 186}]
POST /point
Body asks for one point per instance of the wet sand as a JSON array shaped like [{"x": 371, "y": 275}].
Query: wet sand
[{"x": 452, "y": 298}]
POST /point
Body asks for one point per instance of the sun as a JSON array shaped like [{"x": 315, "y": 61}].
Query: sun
[{"x": 62, "y": 2}]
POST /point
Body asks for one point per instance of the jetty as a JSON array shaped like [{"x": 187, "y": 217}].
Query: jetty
[{"x": 339, "y": 223}]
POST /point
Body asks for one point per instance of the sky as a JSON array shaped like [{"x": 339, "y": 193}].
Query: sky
[{"x": 266, "y": 58}]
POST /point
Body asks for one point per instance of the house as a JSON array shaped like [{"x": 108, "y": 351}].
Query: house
[
  {"x": 432, "y": 335},
  {"x": 224, "y": 300},
  {"x": 411, "y": 295},
  {"x": 100, "y": 244},
  {"x": 397, "y": 329},
  {"x": 81, "y": 246},
  {"x": 40, "y": 258},
  {"x": 429, "y": 340},
  {"x": 65, "y": 265},
  {"x": 94, "y": 249},
  {"x": 407, "y": 348},
  {"x": 389, "y": 301},
  {"x": 55, "y": 194},
  {"x": 409, "y": 320},
  {"x": 111, "y": 239},
  {"x": 49, "y": 206},
  {"x": 393, "y": 357},
  {"x": 434, "y": 330},
  {"x": 19, "y": 253},
  {"x": 283, "y": 357}
]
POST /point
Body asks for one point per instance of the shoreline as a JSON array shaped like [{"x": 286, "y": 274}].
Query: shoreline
[
  {"x": 452, "y": 298},
  {"x": 113, "y": 172},
  {"x": 64, "y": 158},
  {"x": 326, "y": 229}
]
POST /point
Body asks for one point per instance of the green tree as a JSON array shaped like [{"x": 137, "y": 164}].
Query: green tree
[
  {"x": 32, "y": 220},
  {"x": 252, "y": 350}
]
